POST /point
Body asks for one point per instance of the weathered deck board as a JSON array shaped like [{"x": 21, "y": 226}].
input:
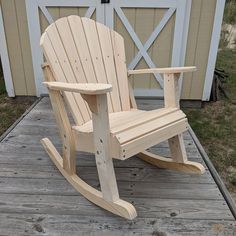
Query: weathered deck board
[{"x": 36, "y": 200}]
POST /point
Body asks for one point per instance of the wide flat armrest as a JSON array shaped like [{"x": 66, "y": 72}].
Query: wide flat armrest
[
  {"x": 86, "y": 88},
  {"x": 170, "y": 70}
]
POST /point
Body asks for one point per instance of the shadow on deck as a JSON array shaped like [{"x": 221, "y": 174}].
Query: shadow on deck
[{"x": 36, "y": 200}]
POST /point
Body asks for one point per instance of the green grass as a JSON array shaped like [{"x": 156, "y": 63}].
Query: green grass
[
  {"x": 10, "y": 110},
  {"x": 2, "y": 86},
  {"x": 215, "y": 124}
]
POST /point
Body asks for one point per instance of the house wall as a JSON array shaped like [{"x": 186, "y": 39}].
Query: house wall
[{"x": 200, "y": 29}]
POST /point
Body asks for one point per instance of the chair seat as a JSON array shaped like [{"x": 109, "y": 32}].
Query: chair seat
[{"x": 135, "y": 130}]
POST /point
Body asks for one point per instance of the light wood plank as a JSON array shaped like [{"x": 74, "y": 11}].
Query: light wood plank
[
  {"x": 150, "y": 126},
  {"x": 82, "y": 47},
  {"x": 150, "y": 139},
  {"x": 170, "y": 70},
  {"x": 171, "y": 90},
  {"x": 102, "y": 146},
  {"x": 86, "y": 88},
  {"x": 64, "y": 62},
  {"x": 90, "y": 30},
  {"x": 107, "y": 53},
  {"x": 59, "y": 73},
  {"x": 121, "y": 69},
  {"x": 118, "y": 207}
]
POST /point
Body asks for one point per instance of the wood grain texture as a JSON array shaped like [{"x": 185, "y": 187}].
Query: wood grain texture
[
  {"x": 36, "y": 200},
  {"x": 83, "y": 88}
]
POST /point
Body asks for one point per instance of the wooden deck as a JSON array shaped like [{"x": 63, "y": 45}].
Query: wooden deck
[{"x": 36, "y": 200}]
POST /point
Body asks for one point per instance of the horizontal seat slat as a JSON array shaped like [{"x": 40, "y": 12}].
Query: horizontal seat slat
[
  {"x": 115, "y": 119},
  {"x": 121, "y": 121},
  {"x": 149, "y": 126},
  {"x": 141, "y": 119},
  {"x": 148, "y": 140}
]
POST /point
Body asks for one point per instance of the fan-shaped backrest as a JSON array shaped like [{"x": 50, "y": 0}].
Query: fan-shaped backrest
[{"x": 80, "y": 50}]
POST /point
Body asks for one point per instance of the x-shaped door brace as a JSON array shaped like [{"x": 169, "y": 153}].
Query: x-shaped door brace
[
  {"x": 50, "y": 20},
  {"x": 144, "y": 48}
]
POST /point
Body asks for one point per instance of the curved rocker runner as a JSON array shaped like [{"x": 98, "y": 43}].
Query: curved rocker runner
[{"x": 86, "y": 71}]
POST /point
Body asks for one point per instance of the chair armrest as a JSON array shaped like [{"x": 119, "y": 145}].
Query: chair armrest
[
  {"x": 170, "y": 70},
  {"x": 86, "y": 88}
]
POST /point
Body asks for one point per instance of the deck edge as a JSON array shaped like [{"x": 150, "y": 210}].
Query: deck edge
[
  {"x": 8, "y": 131},
  {"x": 224, "y": 191}
]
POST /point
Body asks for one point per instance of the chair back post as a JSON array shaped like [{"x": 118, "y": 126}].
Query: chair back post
[{"x": 171, "y": 90}]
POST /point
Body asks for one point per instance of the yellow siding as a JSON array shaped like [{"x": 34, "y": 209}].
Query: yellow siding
[
  {"x": 17, "y": 35},
  {"x": 200, "y": 30},
  {"x": 58, "y": 12},
  {"x": 142, "y": 20}
]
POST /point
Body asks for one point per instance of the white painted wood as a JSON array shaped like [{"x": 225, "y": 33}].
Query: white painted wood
[
  {"x": 5, "y": 59},
  {"x": 90, "y": 12},
  {"x": 68, "y": 3},
  {"x": 152, "y": 37},
  {"x": 32, "y": 8},
  {"x": 105, "y": 14},
  {"x": 215, "y": 39},
  {"x": 182, "y": 8},
  {"x": 178, "y": 33},
  {"x": 137, "y": 42},
  {"x": 46, "y": 13},
  {"x": 188, "y": 6},
  {"x": 146, "y": 4},
  {"x": 34, "y": 35}
]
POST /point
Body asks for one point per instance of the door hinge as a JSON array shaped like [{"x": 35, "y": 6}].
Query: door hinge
[{"x": 105, "y": 1}]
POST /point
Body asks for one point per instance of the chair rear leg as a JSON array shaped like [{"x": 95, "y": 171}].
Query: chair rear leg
[
  {"x": 179, "y": 160},
  {"x": 177, "y": 149}
]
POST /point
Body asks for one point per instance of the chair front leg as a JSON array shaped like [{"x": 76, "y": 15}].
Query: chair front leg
[{"x": 101, "y": 129}]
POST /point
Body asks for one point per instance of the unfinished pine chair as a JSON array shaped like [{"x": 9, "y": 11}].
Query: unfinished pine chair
[{"x": 85, "y": 69}]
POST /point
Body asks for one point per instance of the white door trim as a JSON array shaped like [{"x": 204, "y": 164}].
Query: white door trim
[
  {"x": 5, "y": 59},
  {"x": 187, "y": 15},
  {"x": 138, "y": 43},
  {"x": 182, "y": 9},
  {"x": 32, "y": 9},
  {"x": 215, "y": 39},
  {"x": 104, "y": 14}
]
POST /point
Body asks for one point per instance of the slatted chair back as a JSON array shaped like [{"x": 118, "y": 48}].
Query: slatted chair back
[{"x": 80, "y": 50}]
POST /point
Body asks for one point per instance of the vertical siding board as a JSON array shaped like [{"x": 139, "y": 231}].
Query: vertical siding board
[
  {"x": 25, "y": 46},
  {"x": 129, "y": 44},
  {"x": 161, "y": 49},
  {"x": 55, "y": 12},
  {"x": 191, "y": 45},
  {"x": 43, "y": 21},
  {"x": 202, "y": 50},
  {"x": 144, "y": 28},
  {"x": 159, "y": 13},
  {"x": 201, "y": 22},
  {"x": 67, "y": 11},
  {"x": 14, "y": 47}
]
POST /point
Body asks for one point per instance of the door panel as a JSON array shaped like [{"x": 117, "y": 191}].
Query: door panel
[
  {"x": 41, "y": 13},
  {"x": 155, "y": 33}
]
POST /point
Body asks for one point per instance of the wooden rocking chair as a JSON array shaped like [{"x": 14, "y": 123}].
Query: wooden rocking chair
[{"x": 86, "y": 70}]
